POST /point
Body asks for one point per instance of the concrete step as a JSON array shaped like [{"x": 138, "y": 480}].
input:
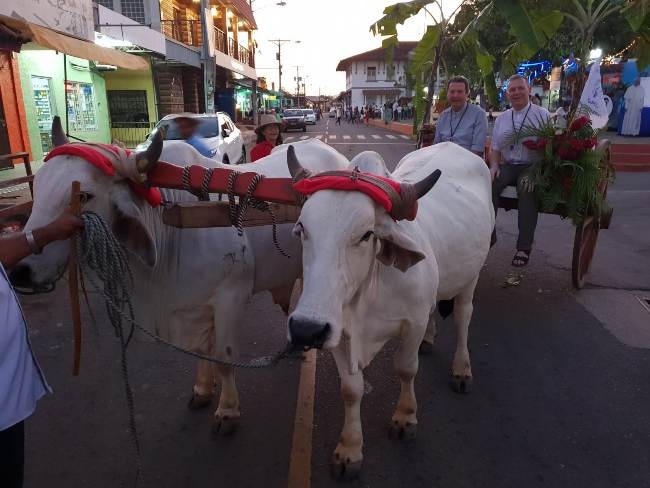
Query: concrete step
[{"x": 631, "y": 157}]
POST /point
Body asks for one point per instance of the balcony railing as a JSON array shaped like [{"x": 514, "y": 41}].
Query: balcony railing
[
  {"x": 220, "y": 40},
  {"x": 244, "y": 55},
  {"x": 185, "y": 31}
]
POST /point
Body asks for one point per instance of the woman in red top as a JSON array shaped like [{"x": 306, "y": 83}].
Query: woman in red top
[{"x": 268, "y": 136}]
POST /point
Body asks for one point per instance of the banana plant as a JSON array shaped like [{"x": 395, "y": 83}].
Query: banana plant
[{"x": 531, "y": 29}]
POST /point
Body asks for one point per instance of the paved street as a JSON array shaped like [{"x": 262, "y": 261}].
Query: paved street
[{"x": 560, "y": 398}]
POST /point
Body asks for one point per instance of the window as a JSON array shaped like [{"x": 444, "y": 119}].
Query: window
[
  {"x": 128, "y": 106},
  {"x": 134, "y": 9},
  {"x": 81, "y": 107},
  {"x": 372, "y": 73}
]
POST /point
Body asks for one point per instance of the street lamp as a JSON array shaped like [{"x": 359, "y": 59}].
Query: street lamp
[{"x": 278, "y": 56}]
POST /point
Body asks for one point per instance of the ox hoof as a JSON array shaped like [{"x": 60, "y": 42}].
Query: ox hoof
[
  {"x": 199, "y": 401},
  {"x": 426, "y": 348},
  {"x": 225, "y": 426},
  {"x": 343, "y": 469},
  {"x": 403, "y": 431},
  {"x": 461, "y": 383}
]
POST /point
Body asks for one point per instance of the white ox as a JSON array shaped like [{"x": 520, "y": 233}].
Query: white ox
[
  {"x": 191, "y": 285},
  {"x": 368, "y": 278}
]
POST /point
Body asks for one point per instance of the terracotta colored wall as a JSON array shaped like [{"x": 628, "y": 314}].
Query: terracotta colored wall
[{"x": 14, "y": 106}]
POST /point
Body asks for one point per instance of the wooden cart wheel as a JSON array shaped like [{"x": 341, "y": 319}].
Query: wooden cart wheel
[{"x": 584, "y": 245}]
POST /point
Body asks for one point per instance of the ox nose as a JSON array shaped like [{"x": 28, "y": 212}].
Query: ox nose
[
  {"x": 310, "y": 333},
  {"x": 20, "y": 276}
]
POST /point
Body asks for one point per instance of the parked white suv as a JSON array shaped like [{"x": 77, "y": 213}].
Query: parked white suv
[{"x": 218, "y": 131}]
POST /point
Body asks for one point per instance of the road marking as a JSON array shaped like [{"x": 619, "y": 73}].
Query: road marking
[
  {"x": 318, "y": 137},
  {"x": 346, "y": 136},
  {"x": 302, "y": 138},
  {"x": 375, "y": 136},
  {"x": 403, "y": 136},
  {"x": 289, "y": 138},
  {"x": 303, "y": 425},
  {"x": 333, "y": 136},
  {"x": 360, "y": 136},
  {"x": 390, "y": 136}
]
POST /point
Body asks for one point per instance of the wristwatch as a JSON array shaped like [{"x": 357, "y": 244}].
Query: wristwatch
[{"x": 31, "y": 242}]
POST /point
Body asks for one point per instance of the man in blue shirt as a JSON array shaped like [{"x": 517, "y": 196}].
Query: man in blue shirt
[
  {"x": 187, "y": 128},
  {"x": 462, "y": 123},
  {"x": 22, "y": 382}
]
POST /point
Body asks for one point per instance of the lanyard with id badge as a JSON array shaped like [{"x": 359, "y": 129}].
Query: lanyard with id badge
[{"x": 517, "y": 132}]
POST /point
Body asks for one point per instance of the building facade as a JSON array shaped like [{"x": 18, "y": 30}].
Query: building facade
[{"x": 369, "y": 81}]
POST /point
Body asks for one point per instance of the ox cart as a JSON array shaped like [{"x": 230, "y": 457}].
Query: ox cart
[{"x": 586, "y": 235}]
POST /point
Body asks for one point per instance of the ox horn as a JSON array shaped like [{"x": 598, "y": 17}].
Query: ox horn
[
  {"x": 148, "y": 158},
  {"x": 58, "y": 134},
  {"x": 423, "y": 186},
  {"x": 295, "y": 168}
]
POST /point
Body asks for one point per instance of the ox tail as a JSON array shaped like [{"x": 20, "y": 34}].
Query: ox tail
[{"x": 446, "y": 308}]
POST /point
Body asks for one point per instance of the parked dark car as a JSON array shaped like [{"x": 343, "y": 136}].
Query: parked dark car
[{"x": 293, "y": 119}]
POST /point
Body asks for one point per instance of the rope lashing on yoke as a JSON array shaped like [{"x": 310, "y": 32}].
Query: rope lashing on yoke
[
  {"x": 103, "y": 263},
  {"x": 237, "y": 211}
]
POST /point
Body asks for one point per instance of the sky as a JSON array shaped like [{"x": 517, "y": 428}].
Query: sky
[{"x": 328, "y": 31}]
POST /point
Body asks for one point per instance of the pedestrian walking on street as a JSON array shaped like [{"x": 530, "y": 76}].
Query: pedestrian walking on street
[
  {"x": 356, "y": 116},
  {"x": 399, "y": 113},
  {"x": 268, "y": 136},
  {"x": 338, "y": 115},
  {"x": 462, "y": 123},
  {"x": 510, "y": 161},
  {"x": 366, "y": 116},
  {"x": 22, "y": 382}
]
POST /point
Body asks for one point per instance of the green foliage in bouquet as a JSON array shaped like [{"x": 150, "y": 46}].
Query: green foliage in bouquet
[{"x": 568, "y": 175}]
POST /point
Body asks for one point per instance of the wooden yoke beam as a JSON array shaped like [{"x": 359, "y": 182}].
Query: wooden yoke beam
[{"x": 167, "y": 175}]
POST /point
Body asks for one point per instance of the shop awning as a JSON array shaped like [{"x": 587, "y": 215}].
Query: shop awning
[{"x": 50, "y": 39}]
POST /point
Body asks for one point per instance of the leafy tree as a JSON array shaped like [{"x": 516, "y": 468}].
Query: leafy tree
[{"x": 496, "y": 35}]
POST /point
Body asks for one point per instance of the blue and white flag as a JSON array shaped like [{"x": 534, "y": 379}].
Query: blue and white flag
[{"x": 593, "y": 100}]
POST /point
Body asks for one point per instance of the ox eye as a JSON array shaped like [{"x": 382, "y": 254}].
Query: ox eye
[
  {"x": 85, "y": 197},
  {"x": 367, "y": 236}
]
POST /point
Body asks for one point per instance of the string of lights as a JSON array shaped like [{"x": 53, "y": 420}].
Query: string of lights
[{"x": 609, "y": 57}]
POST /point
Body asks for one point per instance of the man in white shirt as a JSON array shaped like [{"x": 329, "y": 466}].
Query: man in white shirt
[
  {"x": 22, "y": 382},
  {"x": 510, "y": 160}
]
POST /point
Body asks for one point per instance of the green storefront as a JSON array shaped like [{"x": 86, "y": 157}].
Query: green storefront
[{"x": 46, "y": 94}]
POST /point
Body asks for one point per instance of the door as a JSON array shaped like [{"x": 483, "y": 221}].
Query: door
[
  {"x": 44, "y": 110},
  {"x": 4, "y": 135}
]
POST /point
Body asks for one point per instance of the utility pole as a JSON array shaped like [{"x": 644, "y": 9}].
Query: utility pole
[
  {"x": 278, "y": 56},
  {"x": 298, "y": 85}
]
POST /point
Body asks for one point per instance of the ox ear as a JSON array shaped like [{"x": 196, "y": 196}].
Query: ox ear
[
  {"x": 128, "y": 225},
  {"x": 397, "y": 249}
]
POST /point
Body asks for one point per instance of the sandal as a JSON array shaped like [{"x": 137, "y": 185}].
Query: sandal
[{"x": 521, "y": 259}]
